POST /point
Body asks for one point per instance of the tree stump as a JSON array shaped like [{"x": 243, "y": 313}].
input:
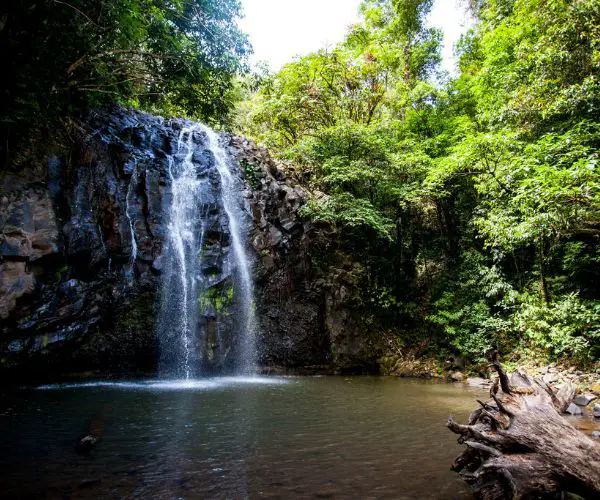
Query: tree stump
[{"x": 519, "y": 446}]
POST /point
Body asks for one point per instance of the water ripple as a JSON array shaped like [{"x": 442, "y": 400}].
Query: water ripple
[{"x": 202, "y": 384}]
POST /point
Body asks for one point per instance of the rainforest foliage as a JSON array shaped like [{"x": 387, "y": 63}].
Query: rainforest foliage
[
  {"x": 470, "y": 201},
  {"x": 473, "y": 201},
  {"x": 60, "y": 58}
]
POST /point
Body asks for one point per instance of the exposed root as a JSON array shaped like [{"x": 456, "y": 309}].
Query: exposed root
[{"x": 519, "y": 446}]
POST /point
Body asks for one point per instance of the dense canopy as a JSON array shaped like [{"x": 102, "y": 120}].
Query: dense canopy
[
  {"x": 60, "y": 58},
  {"x": 480, "y": 191}
]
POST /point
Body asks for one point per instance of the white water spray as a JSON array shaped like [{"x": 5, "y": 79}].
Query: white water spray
[
  {"x": 134, "y": 248},
  {"x": 194, "y": 192},
  {"x": 230, "y": 194},
  {"x": 186, "y": 191}
]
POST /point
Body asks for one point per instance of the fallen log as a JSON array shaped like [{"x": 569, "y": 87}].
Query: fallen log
[{"x": 519, "y": 446}]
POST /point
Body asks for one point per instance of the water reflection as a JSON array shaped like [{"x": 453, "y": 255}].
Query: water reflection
[{"x": 256, "y": 437}]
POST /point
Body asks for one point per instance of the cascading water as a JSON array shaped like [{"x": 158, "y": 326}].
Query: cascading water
[
  {"x": 238, "y": 259},
  {"x": 128, "y": 197},
  {"x": 207, "y": 319}
]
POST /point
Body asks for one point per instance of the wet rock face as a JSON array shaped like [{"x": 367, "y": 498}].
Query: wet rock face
[
  {"x": 68, "y": 290},
  {"x": 308, "y": 318},
  {"x": 81, "y": 255},
  {"x": 292, "y": 331},
  {"x": 29, "y": 232}
]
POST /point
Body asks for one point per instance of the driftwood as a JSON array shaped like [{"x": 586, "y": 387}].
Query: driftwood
[{"x": 519, "y": 446}]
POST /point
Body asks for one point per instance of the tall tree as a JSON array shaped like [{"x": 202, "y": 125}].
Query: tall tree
[
  {"x": 61, "y": 57},
  {"x": 482, "y": 193}
]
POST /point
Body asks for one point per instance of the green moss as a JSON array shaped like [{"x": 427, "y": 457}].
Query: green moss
[{"x": 219, "y": 296}]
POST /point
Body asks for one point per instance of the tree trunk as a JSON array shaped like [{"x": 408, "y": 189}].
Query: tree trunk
[{"x": 519, "y": 446}]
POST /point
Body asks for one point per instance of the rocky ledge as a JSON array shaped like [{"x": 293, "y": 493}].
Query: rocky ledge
[{"x": 81, "y": 238}]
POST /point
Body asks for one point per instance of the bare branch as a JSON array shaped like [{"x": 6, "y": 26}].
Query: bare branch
[
  {"x": 78, "y": 11},
  {"x": 501, "y": 406},
  {"x": 482, "y": 447},
  {"x": 504, "y": 383}
]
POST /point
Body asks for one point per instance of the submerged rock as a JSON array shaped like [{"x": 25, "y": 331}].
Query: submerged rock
[{"x": 85, "y": 444}]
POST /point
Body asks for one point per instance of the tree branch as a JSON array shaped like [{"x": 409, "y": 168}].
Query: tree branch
[{"x": 78, "y": 11}]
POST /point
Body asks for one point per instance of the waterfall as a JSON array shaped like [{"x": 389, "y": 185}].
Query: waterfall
[
  {"x": 130, "y": 188},
  {"x": 230, "y": 193},
  {"x": 197, "y": 324}
]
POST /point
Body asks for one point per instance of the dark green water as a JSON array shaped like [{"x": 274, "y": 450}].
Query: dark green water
[{"x": 299, "y": 437}]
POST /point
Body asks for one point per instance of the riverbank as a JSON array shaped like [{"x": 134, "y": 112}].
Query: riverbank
[
  {"x": 458, "y": 370},
  {"x": 583, "y": 412}
]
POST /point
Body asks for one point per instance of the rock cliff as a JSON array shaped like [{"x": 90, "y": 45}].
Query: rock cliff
[{"x": 81, "y": 240}]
